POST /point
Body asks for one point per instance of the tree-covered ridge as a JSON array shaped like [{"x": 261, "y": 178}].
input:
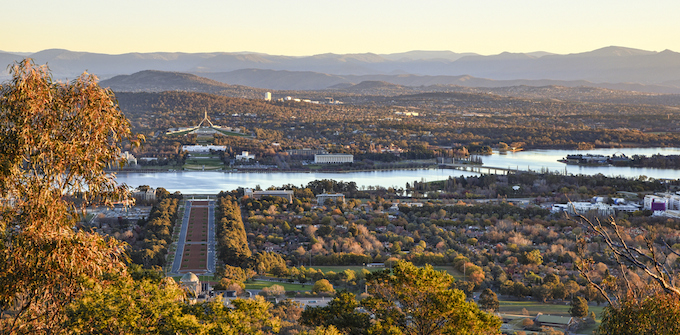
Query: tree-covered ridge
[
  {"x": 151, "y": 247},
  {"x": 231, "y": 235}
]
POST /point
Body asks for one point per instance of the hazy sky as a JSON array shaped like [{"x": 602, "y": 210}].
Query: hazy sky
[{"x": 340, "y": 26}]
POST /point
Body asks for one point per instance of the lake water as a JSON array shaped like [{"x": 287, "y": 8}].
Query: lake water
[
  {"x": 548, "y": 159},
  {"x": 213, "y": 182}
]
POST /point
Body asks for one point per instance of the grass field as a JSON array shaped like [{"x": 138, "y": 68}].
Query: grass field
[
  {"x": 534, "y": 307},
  {"x": 258, "y": 285}
]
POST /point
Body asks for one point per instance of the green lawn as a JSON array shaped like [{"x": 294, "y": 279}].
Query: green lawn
[
  {"x": 228, "y": 133},
  {"x": 534, "y": 307},
  {"x": 258, "y": 285}
]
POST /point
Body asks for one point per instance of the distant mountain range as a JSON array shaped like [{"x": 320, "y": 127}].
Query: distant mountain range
[{"x": 610, "y": 67}]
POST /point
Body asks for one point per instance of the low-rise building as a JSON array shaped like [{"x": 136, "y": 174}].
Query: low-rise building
[
  {"x": 321, "y": 198},
  {"x": 244, "y": 156},
  {"x": 148, "y": 194},
  {"x": 333, "y": 159},
  {"x": 286, "y": 194}
]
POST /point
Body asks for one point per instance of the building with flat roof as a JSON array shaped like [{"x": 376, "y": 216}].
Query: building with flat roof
[
  {"x": 321, "y": 198},
  {"x": 286, "y": 194},
  {"x": 244, "y": 156},
  {"x": 333, "y": 159},
  {"x": 148, "y": 194},
  {"x": 306, "y": 152}
]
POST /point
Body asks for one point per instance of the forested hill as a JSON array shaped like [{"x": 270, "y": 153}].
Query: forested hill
[
  {"x": 443, "y": 119},
  {"x": 159, "y": 110},
  {"x": 160, "y": 81}
]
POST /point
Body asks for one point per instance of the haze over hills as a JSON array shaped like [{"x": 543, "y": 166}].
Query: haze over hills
[
  {"x": 367, "y": 90},
  {"x": 610, "y": 67},
  {"x": 161, "y": 81}
]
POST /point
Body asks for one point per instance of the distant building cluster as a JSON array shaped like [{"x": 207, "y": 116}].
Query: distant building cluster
[
  {"x": 596, "y": 205},
  {"x": 328, "y": 101},
  {"x": 407, "y": 113},
  {"x": 663, "y": 204},
  {"x": 333, "y": 159}
]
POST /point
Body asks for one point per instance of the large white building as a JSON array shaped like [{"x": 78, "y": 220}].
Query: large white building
[
  {"x": 203, "y": 148},
  {"x": 333, "y": 159}
]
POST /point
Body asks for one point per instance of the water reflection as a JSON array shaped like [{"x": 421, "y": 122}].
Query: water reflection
[{"x": 536, "y": 160}]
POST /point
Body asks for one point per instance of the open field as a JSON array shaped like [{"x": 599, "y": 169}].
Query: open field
[
  {"x": 534, "y": 307},
  {"x": 258, "y": 285}
]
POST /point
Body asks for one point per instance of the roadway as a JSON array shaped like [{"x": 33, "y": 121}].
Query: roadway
[
  {"x": 177, "y": 262},
  {"x": 211, "y": 237}
]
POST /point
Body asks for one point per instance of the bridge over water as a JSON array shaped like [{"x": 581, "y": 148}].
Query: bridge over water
[{"x": 481, "y": 169}]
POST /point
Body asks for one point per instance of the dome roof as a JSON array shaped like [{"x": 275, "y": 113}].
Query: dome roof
[{"x": 189, "y": 278}]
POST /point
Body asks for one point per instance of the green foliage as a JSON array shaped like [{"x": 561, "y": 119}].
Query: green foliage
[
  {"x": 323, "y": 286},
  {"x": 131, "y": 307},
  {"x": 157, "y": 233},
  {"x": 269, "y": 262},
  {"x": 340, "y": 312},
  {"x": 579, "y": 307},
  {"x": 655, "y": 314},
  {"x": 532, "y": 257},
  {"x": 248, "y": 316},
  {"x": 488, "y": 300},
  {"x": 231, "y": 234},
  {"x": 417, "y": 300}
]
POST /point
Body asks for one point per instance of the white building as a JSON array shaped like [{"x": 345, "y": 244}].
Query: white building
[
  {"x": 582, "y": 208},
  {"x": 191, "y": 284},
  {"x": 203, "y": 148},
  {"x": 333, "y": 159},
  {"x": 128, "y": 158},
  {"x": 244, "y": 156},
  {"x": 268, "y": 96}
]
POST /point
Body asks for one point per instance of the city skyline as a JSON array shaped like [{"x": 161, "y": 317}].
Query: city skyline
[{"x": 299, "y": 28}]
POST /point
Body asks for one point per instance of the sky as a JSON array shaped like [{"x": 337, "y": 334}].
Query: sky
[{"x": 309, "y": 27}]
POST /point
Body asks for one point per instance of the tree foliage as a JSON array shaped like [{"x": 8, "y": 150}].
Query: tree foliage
[
  {"x": 55, "y": 140},
  {"x": 231, "y": 234},
  {"x": 579, "y": 307},
  {"x": 488, "y": 300},
  {"x": 341, "y": 313},
  {"x": 656, "y": 314},
  {"x": 413, "y": 300}
]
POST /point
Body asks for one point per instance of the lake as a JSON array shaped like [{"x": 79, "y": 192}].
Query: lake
[{"x": 212, "y": 182}]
